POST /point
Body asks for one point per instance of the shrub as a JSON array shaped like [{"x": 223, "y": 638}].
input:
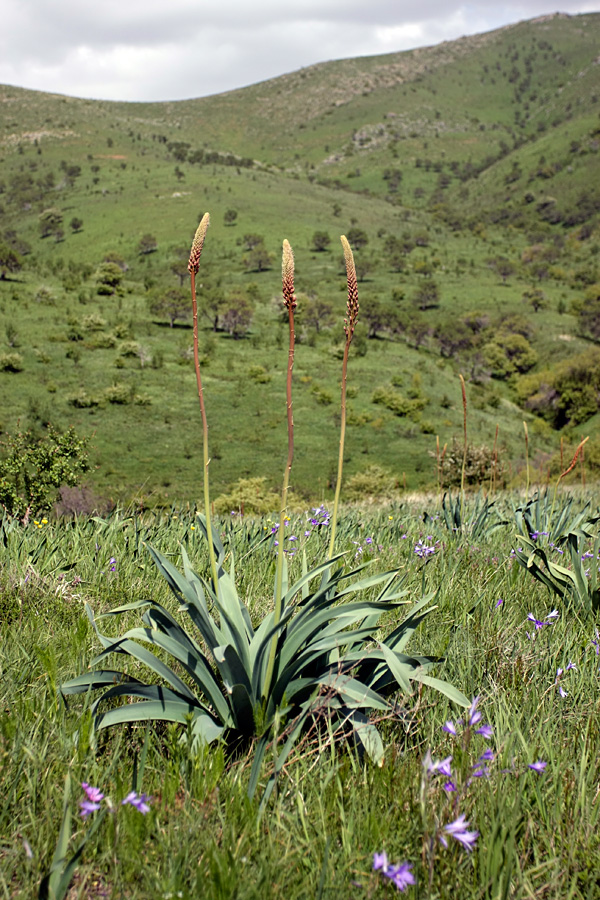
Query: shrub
[
  {"x": 11, "y": 362},
  {"x": 32, "y": 471},
  {"x": 83, "y": 400},
  {"x": 396, "y": 402},
  {"x": 372, "y": 482},
  {"x": 118, "y": 393},
  {"x": 481, "y": 464},
  {"x": 259, "y": 374},
  {"x": 250, "y": 495}
]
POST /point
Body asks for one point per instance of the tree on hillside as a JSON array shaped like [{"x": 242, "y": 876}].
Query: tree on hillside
[
  {"x": 357, "y": 238},
  {"x": 171, "y": 305},
  {"x": 374, "y": 315},
  {"x": 147, "y": 244},
  {"x": 179, "y": 268},
  {"x": 536, "y": 298},
  {"x": 316, "y": 313},
  {"x": 249, "y": 241},
  {"x": 32, "y": 471},
  {"x": 108, "y": 278},
  {"x": 258, "y": 258},
  {"x": 230, "y": 216},
  {"x": 236, "y": 314},
  {"x": 503, "y": 267},
  {"x": 50, "y": 221},
  {"x": 76, "y": 224},
  {"x": 10, "y": 261},
  {"x": 589, "y": 313},
  {"x": 320, "y": 241},
  {"x": 427, "y": 295}
]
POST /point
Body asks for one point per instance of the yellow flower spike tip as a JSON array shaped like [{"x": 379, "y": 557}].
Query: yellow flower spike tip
[
  {"x": 198, "y": 244},
  {"x": 287, "y": 276}
]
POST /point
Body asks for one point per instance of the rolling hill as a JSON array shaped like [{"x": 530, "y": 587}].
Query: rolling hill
[{"x": 467, "y": 176}]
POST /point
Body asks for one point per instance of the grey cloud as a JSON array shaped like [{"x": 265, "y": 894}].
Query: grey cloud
[{"x": 128, "y": 49}]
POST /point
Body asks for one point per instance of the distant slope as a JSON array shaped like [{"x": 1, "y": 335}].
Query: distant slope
[{"x": 472, "y": 170}]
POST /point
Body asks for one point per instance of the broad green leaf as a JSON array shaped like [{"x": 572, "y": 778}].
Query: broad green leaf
[
  {"x": 368, "y": 736},
  {"x": 444, "y": 688},
  {"x": 132, "y": 648}
]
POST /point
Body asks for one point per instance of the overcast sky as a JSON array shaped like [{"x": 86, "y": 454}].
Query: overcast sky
[{"x": 174, "y": 49}]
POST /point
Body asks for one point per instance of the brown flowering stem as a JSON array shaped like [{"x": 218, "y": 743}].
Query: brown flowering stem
[
  {"x": 193, "y": 265},
  {"x": 570, "y": 467},
  {"x": 349, "y": 326},
  {"x": 289, "y": 301}
]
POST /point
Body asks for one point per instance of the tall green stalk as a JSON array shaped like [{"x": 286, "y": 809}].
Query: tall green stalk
[
  {"x": 289, "y": 301},
  {"x": 464, "y": 463},
  {"x": 526, "y": 460},
  {"x": 193, "y": 266},
  {"x": 349, "y": 326}
]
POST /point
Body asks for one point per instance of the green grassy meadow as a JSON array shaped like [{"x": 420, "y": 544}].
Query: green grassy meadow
[
  {"x": 331, "y": 811},
  {"x": 465, "y": 176}
]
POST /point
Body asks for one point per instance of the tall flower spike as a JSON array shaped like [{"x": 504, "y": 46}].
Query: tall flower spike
[
  {"x": 350, "y": 322},
  {"x": 287, "y": 276},
  {"x": 198, "y": 244}
]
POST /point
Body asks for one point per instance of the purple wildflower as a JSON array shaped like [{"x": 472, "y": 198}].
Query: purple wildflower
[
  {"x": 380, "y": 861},
  {"x": 538, "y": 766},
  {"x": 442, "y": 766},
  {"x": 141, "y": 801},
  {"x": 93, "y": 794},
  {"x": 499, "y": 603},
  {"x": 597, "y": 643},
  {"x": 87, "y": 807},
  {"x": 401, "y": 875},
  {"x": 458, "y": 830},
  {"x": 487, "y": 755},
  {"x": 538, "y": 622},
  {"x": 450, "y": 728},
  {"x": 485, "y": 731},
  {"x": 449, "y": 786},
  {"x": 473, "y": 714}
]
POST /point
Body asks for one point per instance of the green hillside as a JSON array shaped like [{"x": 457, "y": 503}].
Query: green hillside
[{"x": 467, "y": 177}]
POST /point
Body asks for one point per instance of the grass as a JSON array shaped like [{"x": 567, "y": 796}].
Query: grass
[{"x": 331, "y": 812}]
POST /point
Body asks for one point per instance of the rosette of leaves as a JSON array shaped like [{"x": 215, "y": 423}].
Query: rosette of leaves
[
  {"x": 210, "y": 672},
  {"x": 544, "y": 533}
]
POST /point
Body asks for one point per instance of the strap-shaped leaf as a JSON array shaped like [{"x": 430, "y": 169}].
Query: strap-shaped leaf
[
  {"x": 232, "y": 668},
  {"x": 354, "y": 693},
  {"x": 205, "y": 728},
  {"x": 94, "y": 680},
  {"x": 399, "y": 669},
  {"x": 132, "y": 648},
  {"x": 156, "y": 692},
  {"x": 230, "y": 608},
  {"x": 148, "y": 711},
  {"x": 243, "y": 708},
  {"x": 217, "y": 544},
  {"x": 367, "y": 736},
  {"x": 301, "y": 586},
  {"x": 444, "y": 688},
  {"x": 305, "y": 626}
]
